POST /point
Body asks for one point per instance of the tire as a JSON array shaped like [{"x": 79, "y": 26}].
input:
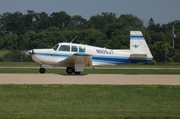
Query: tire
[
  {"x": 69, "y": 70},
  {"x": 42, "y": 70}
]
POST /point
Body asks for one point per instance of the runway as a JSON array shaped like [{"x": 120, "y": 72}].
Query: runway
[{"x": 109, "y": 79}]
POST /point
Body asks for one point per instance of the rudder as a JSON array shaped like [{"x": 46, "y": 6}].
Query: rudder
[{"x": 138, "y": 44}]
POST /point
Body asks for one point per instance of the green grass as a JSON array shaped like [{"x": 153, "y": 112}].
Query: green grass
[
  {"x": 18, "y": 64},
  {"x": 33, "y": 64},
  {"x": 31, "y": 67},
  {"x": 89, "y": 102},
  {"x": 2, "y": 52},
  {"x": 93, "y": 71}
]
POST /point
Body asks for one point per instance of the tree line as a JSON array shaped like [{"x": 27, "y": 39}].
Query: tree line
[{"x": 40, "y": 30}]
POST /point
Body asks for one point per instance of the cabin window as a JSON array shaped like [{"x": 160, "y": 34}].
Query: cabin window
[
  {"x": 82, "y": 49},
  {"x": 74, "y": 48},
  {"x": 56, "y": 47},
  {"x": 64, "y": 48}
]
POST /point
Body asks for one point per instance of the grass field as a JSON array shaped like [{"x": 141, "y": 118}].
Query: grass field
[
  {"x": 93, "y": 71},
  {"x": 2, "y": 52},
  {"x": 31, "y": 67},
  {"x": 89, "y": 102},
  {"x": 33, "y": 64}
]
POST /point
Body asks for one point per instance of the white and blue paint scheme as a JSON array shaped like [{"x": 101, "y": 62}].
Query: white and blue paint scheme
[{"x": 76, "y": 56}]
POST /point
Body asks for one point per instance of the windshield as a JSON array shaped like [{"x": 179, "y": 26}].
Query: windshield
[{"x": 56, "y": 47}]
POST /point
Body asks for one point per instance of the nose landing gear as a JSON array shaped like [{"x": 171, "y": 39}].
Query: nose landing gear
[{"x": 42, "y": 70}]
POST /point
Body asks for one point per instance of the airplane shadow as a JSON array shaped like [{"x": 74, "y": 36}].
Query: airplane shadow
[{"x": 73, "y": 74}]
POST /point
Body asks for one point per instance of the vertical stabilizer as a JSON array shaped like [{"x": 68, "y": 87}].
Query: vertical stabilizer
[{"x": 138, "y": 44}]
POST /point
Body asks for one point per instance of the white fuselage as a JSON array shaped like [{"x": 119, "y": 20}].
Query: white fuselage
[{"x": 100, "y": 56}]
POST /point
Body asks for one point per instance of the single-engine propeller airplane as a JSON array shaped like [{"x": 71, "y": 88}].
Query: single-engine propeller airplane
[{"x": 76, "y": 56}]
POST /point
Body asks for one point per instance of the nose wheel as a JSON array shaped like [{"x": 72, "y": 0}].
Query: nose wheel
[{"x": 42, "y": 70}]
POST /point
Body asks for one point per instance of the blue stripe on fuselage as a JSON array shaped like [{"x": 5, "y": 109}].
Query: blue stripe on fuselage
[
  {"x": 103, "y": 59},
  {"x": 119, "y": 60}
]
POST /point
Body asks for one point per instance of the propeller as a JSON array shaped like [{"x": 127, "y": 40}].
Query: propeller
[{"x": 29, "y": 52}]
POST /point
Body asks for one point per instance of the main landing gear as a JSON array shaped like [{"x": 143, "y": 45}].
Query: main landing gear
[{"x": 69, "y": 70}]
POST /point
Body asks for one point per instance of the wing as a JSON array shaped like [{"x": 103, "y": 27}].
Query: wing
[{"x": 78, "y": 61}]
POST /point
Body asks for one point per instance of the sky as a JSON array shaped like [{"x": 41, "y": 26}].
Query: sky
[{"x": 162, "y": 11}]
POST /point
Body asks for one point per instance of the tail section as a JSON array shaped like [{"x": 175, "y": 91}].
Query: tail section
[{"x": 138, "y": 45}]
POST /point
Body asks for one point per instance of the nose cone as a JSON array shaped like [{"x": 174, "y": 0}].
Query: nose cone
[{"x": 28, "y": 52}]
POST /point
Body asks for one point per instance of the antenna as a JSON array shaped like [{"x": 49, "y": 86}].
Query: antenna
[
  {"x": 108, "y": 43},
  {"x": 73, "y": 39}
]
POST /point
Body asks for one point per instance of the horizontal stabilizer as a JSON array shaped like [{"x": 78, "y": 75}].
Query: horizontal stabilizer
[{"x": 138, "y": 55}]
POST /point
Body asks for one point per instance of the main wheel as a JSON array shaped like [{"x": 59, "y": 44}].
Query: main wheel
[
  {"x": 77, "y": 72},
  {"x": 42, "y": 70},
  {"x": 69, "y": 70}
]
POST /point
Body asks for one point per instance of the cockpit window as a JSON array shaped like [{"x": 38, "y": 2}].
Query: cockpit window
[
  {"x": 64, "y": 48},
  {"x": 56, "y": 47}
]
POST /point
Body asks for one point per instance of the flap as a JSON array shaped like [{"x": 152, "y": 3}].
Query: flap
[{"x": 77, "y": 58}]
